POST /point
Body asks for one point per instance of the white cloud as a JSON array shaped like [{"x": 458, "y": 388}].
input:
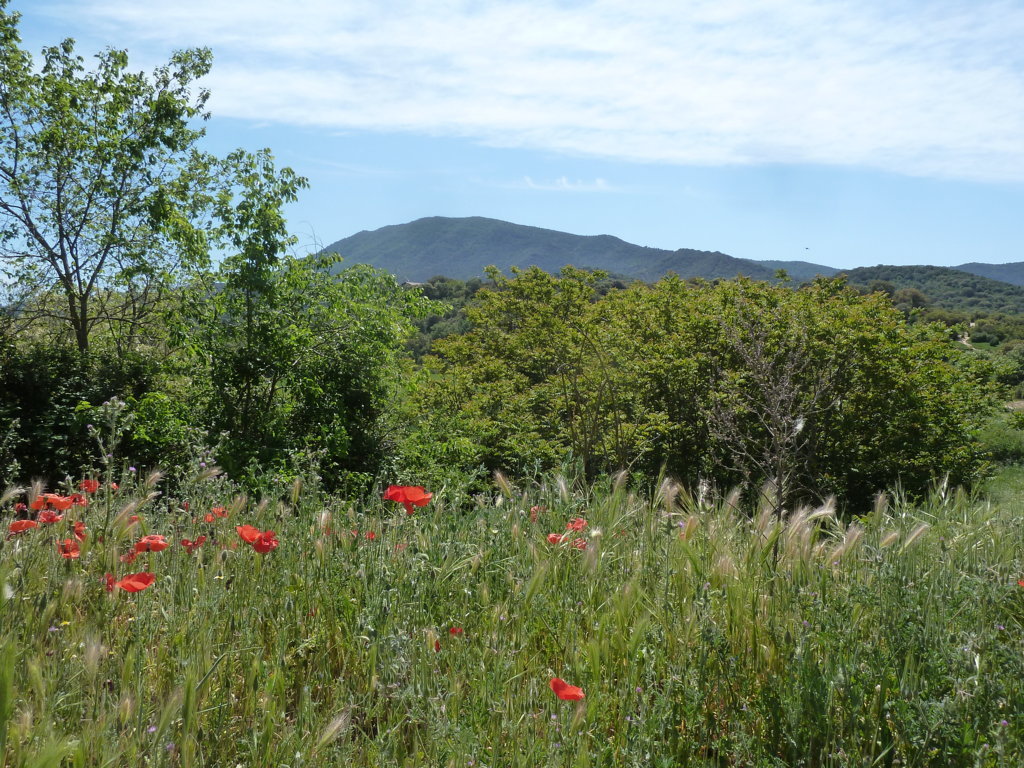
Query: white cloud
[
  {"x": 936, "y": 88},
  {"x": 563, "y": 184}
]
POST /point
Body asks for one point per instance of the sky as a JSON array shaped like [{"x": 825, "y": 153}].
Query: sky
[{"x": 837, "y": 132}]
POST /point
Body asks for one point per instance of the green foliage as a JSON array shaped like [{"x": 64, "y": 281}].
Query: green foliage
[
  {"x": 819, "y": 390},
  {"x": 945, "y": 287},
  {"x": 98, "y": 182},
  {"x": 43, "y": 387},
  {"x": 294, "y": 360}
]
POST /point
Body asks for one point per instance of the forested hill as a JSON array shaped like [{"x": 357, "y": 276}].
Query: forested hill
[
  {"x": 947, "y": 287},
  {"x": 461, "y": 248},
  {"x": 1007, "y": 273}
]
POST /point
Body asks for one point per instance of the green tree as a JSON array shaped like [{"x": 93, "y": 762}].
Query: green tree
[
  {"x": 98, "y": 177},
  {"x": 295, "y": 359}
]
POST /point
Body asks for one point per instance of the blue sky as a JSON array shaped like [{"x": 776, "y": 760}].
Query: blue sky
[{"x": 842, "y": 133}]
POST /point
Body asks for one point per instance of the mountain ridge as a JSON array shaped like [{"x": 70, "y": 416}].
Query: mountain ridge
[{"x": 461, "y": 248}]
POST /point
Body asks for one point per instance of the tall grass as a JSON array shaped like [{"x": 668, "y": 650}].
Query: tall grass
[{"x": 701, "y": 632}]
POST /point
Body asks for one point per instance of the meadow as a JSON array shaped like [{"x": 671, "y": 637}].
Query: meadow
[{"x": 701, "y": 630}]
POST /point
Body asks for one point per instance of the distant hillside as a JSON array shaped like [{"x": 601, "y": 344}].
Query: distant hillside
[
  {"x": 947, "y": 287},
  {"x": 461, "y": 248},
  {"x": 1008, "y": 273}
]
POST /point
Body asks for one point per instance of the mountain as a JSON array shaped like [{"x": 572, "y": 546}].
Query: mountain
[
  {"x": 461, "y": 248},
  {"x": 1012, "y": 273},
  {"x": 947, "y": 287}
]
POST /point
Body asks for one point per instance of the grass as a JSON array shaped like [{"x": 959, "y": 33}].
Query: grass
[{"x": 703, "y": 634}]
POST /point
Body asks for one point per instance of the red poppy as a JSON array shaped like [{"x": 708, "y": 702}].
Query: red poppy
[
  {"x": 536, "y": 510},
  {"x": 370, "y": 535},
  {"x": 21, "y": 508},
  {"x": 78, "y": 500},
  {"x": 191, "y": 546},
  {"x": 409, "y": 496},
  {"x": 135, "y": 582},
  {"x": 576, "y": 524},
  {"x": 556, "y": 538},
  {"x": 129, "y": 558},
  {"x": 456, "y": 631},
  {"x": 89, "y": 485},
  {"x": 1020, "y": 582},
  {"x": 215, "y": 512},
  {"x": 114, "y": 486},
  {"x": 133, "y": 519},
  {"x": 49, "y": 516},
  {"x": 579, "y": 543},
  {"x": 79, "y": 530},
  {"x": 20, "y": 526},
  {"x": 248, "y": 533},
  {"x": 564, "y": 691},
  {"x": 68, "y": 549},
  {"x": 265, "y": 542},
  {"x": 152, "y": 543},
  {"x": 437, "y": 646}
]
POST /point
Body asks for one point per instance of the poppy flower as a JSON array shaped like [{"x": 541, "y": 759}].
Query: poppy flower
[
  {"x": 135, "y": 582},
  {"x": 579, "y": 543},
  {"x": 409, "y": 496},
  {"x": 191, "y": 546},
  {"x": 556, "y": 538},
  {"x": 370, "y": 535},
  {"x": 20, "y": 526},
  {"x": 248, "y": 533},
  {"x": 68, "y": 549},
  {"x": 456, "y": 631},
  {"x": 564, "y": 691},
  {"x": 78, "y": 500},
  {"x": 89, "y": 485},
  {"x": 214, "y": 513},
  {"x": 437, "y": 646},
  {"x": 536, "y": 510},
  {"x": 265, "y": 542},
  {"x": 129, "y": 558},
  {"x": 21, "y": 508},
  {"x": 79, "y": 530},
  {"x": 49, "y": 517},
  {"x": 576, "y": 524},
  {"x": 114, "y": 487},
  {"x": 1020, "y": 582},
  {"x": 152, "y": 543}
]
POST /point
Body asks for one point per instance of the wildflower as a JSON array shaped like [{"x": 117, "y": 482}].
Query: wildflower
[
  {"x": 579, "y": 543},
  {"x": 191, "y": 546},
  {"x": 456, "y": 631},
  {"x": 21, "y": 508},
  {"x": 135, "y": 582},
  {"x": 49, "y": 517},
  {"x": 79, "y": 530},
  {"x": 248, "y": 533},
  {"x": 20, "y": 526},
  {"x": 576, "y": 524},
  {"x": 1020, "y": 582},
  {"x": 68, "y": 549},
  {"x": 437, "y": 646},
  {"x": 564, "y": 691},
  {"x": 265, "y": 542},
  {"x": 370, "y": 535},
  {"x": 152, "y": 543},
  {"x": 114, "y": 487},
  {"x": 409, "y": 496},
  {"x": 261, "y": 541},
  {"x": 78, "y": 500},
  {"x": 89, "y": 485},
  {"x": 556, "y": 538},
  {"x": 214, "y": 513},
  {"x": 536, "y": 510},
  {"x": 129, "y": 558}
]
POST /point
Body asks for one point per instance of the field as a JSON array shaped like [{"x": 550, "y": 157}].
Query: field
[{"x": 701, "y": 630}]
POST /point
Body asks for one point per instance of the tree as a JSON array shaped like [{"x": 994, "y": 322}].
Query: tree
[
  {"x": 98, "y": 177},
  {"x": 295, "y": 358}
]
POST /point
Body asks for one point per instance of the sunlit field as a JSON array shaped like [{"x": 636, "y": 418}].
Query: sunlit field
[{"x": 699, "y": 631}]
